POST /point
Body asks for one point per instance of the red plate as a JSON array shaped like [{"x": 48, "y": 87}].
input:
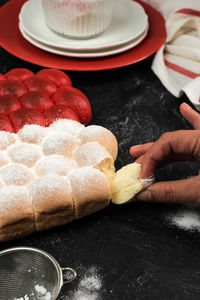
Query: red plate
[{"x": 12, "y": 41}]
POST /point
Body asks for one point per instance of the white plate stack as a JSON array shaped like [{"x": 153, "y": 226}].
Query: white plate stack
[{"x": 128, "y": 28}]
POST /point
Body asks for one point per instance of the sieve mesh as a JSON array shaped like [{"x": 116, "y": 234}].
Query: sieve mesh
[{"x": 23, "y": 270}]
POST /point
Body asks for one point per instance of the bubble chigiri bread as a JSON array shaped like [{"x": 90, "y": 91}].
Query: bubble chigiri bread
[
  {"x": 52, "y": 201},
  {"x": 91, "y": 154},
  {"x": 49, "y": 176},
  {"x": 90, "y": 190},
  {"x": 41, "y": 98},
  {"x": 55, "y": 164},
  {"x": 16, "y": 213},
  {"x": 103, "y": 136}
]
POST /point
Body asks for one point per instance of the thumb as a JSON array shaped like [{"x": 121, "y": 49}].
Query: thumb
[{"x": 181, "y": 191}]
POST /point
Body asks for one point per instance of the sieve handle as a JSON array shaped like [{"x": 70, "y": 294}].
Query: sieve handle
[{"x": 73, "y": 274}]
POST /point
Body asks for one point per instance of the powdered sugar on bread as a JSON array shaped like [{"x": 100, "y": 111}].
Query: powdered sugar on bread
[
  {"x": 68, "y": 126},
  {"x": 102, "y": 135},
  {"x": 25, "y": 154},
  {"x": 6, "y": 139},
  {"x": 55, "y": 164},
  {"x": 90, "y": 154},
  {"x": 50, "y": 176},
  {"x": 90, "y": 190},
  {"x": 60, "y": 143},
  {"x": 16, "y": 174},
  {"x": 32, "y": 134}
]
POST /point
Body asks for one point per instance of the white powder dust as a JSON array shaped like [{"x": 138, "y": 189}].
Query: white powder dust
[
  {"x": 82, "y": 295},
  {"x": 88, "y": 288},
  {"x": 39, "y": 293},
  {"x": 23, "y": 298},
  {"x": 186, "y": 219},
  {"x": 91, "y": 283},
  {"x": 42, "y": 292}
]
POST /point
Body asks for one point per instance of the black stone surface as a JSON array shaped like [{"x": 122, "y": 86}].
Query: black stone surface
[{"x": 138, "y": 254}]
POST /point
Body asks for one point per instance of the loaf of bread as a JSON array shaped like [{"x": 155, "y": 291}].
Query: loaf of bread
[{"x": 51, "y": 176}]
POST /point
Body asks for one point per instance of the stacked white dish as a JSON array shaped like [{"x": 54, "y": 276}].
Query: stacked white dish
[{"x": 128, "y": 28}]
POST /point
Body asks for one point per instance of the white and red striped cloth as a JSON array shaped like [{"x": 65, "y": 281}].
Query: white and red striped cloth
[{"x": 177, "y": 62}]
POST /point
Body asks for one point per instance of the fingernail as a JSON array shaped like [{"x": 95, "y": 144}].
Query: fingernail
[
  {"x": 135, "y": 147},
  {"x": 144, "y": 196},
  {"x": 187, "y": 106}
]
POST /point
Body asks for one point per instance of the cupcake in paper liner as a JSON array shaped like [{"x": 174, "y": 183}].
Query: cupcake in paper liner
[{"x": 78, "y": 19}]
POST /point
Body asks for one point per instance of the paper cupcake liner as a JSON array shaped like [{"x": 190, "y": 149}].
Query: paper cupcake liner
[{"x": 78, "y": 18}]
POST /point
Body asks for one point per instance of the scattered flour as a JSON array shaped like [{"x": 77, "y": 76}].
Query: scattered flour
[
  {"x": 91, "y": 283},
  {"x": 83, "y": 295},
  {"x": 42, "y": 292},
  {"x": 88, "y": 288},
  {"x": 22, "y": 298},
  {"x": 39, "y": 293},
  {"x": 186, "y": 219}
]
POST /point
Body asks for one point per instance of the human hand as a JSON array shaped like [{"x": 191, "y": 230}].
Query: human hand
[
  {"x": 183, "y": 145},
  {"x": 190, "y": 115}
]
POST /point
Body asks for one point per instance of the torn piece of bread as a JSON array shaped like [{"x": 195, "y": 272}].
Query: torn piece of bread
[{"x": 125, "y": 183}]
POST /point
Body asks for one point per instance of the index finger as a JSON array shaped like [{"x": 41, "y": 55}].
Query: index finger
[
  {"x": 190, "y": 115},
  {"x": 183, "y": 143}
]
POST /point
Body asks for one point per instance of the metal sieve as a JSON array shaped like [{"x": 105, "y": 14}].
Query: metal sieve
[{"x": 31, "y": 274}]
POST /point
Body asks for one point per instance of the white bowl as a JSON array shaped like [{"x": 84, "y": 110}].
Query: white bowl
[{"x": 78, "y": 19}]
